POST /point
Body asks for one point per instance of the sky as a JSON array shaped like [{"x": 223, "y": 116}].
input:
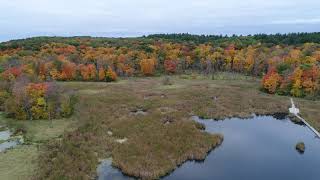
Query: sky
[{"x": 130, "y": 18}]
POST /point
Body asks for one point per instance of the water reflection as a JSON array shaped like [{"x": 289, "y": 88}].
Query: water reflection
[
  {"x": 256, "y": 148},
  {"x": 261, "y": 147}
]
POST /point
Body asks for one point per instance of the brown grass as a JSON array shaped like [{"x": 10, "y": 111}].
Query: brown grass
[
  {"x": 19, "y": 163},
  {"x": 162, "y": 138}
]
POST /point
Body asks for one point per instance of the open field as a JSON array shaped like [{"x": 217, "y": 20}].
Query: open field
[
  {"x": 19, "y": 163},
  {"x": 22, "y": 162},
  {"x": 145, "y": 126}
]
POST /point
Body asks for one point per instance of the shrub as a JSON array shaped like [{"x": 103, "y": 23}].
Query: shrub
[
  {"x": 102, "y": 74},
  {"x": 271, "y": 81},
  {"x": 12, "y": 73},
  {"x": 167, "y": 81},
  {"x": 66, "y": 105},
  {"x": 38, "y": 101},
  {"x": 170, "y": 66},
  {"x": 10, "y": 107},
  {"x": 148, "y": 66},
  {"x": 4, "y": 95},
  {"x": 110, "y": 75},
  {"x": 282, "y": 68}
]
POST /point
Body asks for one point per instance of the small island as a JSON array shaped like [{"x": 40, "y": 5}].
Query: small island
[{"x": 300, "y": 147}]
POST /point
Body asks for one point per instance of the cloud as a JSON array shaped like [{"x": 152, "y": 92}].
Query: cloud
[
  {"x": 127, "y": 17},
  {"x": 297, "y": 21}
]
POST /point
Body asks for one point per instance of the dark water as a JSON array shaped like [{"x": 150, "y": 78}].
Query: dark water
[{"x": 261, "y": 148}]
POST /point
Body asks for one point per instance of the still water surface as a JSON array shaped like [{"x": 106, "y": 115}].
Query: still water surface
[
  {"x": 261, "y": 147},
  {"x": 5, "y": 142}
]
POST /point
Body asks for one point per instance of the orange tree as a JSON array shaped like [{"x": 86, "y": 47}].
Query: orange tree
[
  {"x": 271, "y": 81},
  {"x": 148, "y": 66}
]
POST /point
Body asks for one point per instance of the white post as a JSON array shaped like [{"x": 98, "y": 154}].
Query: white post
[{"x": 295, "y": 111}]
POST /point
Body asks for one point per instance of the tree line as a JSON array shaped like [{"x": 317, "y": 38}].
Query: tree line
[{"x": 286, "y": 67}]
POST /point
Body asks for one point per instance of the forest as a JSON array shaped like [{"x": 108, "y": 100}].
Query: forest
[
  {"x": 288, "y": 64},
  {"x": 77, "y": 102}
]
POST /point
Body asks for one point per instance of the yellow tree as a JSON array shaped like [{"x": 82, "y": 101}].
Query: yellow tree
[
  {"x": 148, "y": 66},
  {"x": 102, "y": 74},
  {"x": 316, "y": 55},
  {"x": 239, "y": 61},
  {"x": 229, "y": 54},
  {"x": 110, "y": 75},
  {"x": 249, "y": 62},
  {"x": 297, "y": 83},
  {"x": 293, "y": 56}
]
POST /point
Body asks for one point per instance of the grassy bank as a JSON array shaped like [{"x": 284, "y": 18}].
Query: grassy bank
[
  {"x": 164, "y": 136},
  {"x": 21, "y": 162},
  {"x": 152, "y": 122}
]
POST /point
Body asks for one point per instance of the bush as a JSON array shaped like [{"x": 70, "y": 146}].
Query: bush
[
  {"x": 302, "y": 81},
  {"x": 10, "y": 107},
  {"x": 4, "y": 95},
  {"x": 271, "y": 81},
  {"x": 110, "y": 75},
  {"x": 38, "y": 101},
  {"x": 148, "y": 66},
  {"x": 167, "y": 81},
  {"x": 66, "y": 105},
  {"x": 65, "y": 109},
  {"x": 170, "y": 66},
  {"x": 282, "y": 68}
]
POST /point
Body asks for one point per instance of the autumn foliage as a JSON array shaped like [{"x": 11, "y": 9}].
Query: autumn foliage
[
  {"x": 170, "y": 66},
  {"x": 12, "y": 73},
  {"x": 286, "y": 70},
  {"x": 102, "y": 74},
  {"x": 38, "y": 101},
  {"x": 271, "y": 81},
  {"x": 148, "y": 66},
  {"x": 110, "y": 75},
  {"x": 69, "y": 71},
  {"x": 302, "y": 81}
]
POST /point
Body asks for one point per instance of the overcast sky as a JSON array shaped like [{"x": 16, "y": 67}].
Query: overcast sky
[{"x": 113, "y": 18}]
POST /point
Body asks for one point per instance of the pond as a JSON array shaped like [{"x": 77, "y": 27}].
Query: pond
[
  {"x": 5, "y": 134},
  {"x": 106, "y": 172},
  {"x": 261, "y": 147},
  {"x": 8, "y": 141}
]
